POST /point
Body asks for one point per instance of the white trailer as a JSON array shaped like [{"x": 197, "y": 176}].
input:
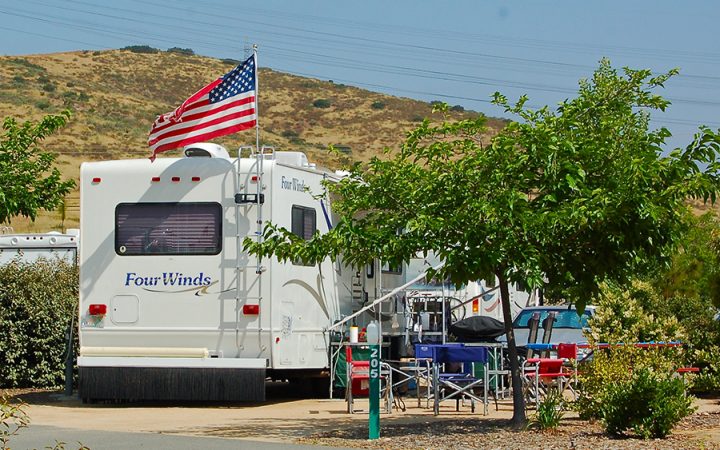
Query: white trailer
[
  {"x": 33, "y": 246},
  {"x": 476, "y": 298},
  {"x": 170, "y": 305}
]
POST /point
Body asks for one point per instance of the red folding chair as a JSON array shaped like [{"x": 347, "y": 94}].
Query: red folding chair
[
  {"x": 541, "y": 374},
  {"x": 568, "y": 353},
  {"x": 358, "y": 381}
]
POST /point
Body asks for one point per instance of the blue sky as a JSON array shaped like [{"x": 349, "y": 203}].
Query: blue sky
[{"x": 456, "y": 51}]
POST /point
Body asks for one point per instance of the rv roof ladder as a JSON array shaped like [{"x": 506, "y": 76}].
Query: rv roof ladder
[{"x": 246, "y": 199}]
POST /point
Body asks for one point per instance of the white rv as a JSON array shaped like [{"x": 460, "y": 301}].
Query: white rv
[
  {"x": 31, "y": 247},
  {"x": 170, "y": 306}
]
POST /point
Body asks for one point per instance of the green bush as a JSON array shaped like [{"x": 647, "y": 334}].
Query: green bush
[
  {"x": 632, "y": 314},
  {"x": 549, "y": 412},
  {"x": 378, "y": 105},
  {"x": 708, "y": 360},
  {"x": 37, "y": 302},
  {"x": 141, "y": 49},
  {"x": 42, "y": 104},
  {"x": 636, "y": 389},
  {"x": 322, "y": 103},
  {"x": 648, "y": 404},
  {"x": 181, "y": 51},
  {"x": 25, "y": 64}
]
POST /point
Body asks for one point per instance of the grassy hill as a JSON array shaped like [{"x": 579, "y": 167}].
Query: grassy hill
[{"x": 115, "y": 96}]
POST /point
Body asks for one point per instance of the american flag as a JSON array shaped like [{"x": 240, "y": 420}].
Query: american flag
[{"x": 225, "y": 106}]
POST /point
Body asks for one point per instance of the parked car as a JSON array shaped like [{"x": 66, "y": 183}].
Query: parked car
[{"x": 568, "y": 327}]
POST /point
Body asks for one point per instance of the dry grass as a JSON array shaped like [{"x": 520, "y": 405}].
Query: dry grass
[{"x": 115, "y": 96}]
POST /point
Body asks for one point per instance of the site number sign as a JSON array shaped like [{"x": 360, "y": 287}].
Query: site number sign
[{"x": 374, "y": 424}]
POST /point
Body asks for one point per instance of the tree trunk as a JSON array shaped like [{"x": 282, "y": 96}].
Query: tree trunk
[{"x": 519, "y": 420}]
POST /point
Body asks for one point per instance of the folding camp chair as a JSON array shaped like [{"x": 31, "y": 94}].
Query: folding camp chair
[
  {"x": 358, "y": 381},
  {"x": 533, "y": 325},
  {"x": 547, "y": 325},
  {"x": 423, "y": 370},
  {"x": 542, "y": 374},
  {"x": 569, "y": 354},
  {"x": 448, "y": 385}
]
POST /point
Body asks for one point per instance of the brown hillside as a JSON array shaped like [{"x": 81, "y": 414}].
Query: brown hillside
[{"x": 115, "y": 96}]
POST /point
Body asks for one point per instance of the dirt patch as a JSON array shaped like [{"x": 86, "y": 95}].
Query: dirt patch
[{"x": 697, "y": 432}]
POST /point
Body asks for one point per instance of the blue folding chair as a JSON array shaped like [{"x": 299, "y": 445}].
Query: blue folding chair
[{"x": 460, "y": 385}]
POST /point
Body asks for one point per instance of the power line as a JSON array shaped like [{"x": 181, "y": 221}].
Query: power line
[{"x": 286, "y": 42}]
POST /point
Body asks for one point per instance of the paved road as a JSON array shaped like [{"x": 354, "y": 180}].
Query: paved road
[{"x": 41, "y": 436}]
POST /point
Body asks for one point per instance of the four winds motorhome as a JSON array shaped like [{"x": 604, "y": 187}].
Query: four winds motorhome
[
  {"x": 172, "y": 308},
  {"x": 170, "y": 305}
]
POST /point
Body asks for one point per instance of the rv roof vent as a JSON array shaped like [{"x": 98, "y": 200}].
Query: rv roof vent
[
  {"x": 206, "y": 150},
  {"x": 292, "y": 158}
]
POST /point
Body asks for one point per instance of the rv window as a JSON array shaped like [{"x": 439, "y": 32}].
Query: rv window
[
  {"x": 303, "y": 222},
  {"x": 396, "y": 270},
  {"x": 303, "y": 225},
  {"x": 168, "y": 229}
]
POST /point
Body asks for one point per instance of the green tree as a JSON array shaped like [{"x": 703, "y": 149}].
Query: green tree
[
  {"x": 562, "y": 199},
  {"x": 695, "y": 267},
  {"x": 28, "y": 180}
]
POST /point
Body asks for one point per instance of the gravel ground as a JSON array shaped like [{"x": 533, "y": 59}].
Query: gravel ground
[
  {"x": 692, "y": 433},
  {"x": 698, "y": 431}
]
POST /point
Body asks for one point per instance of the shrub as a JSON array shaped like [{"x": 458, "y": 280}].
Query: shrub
[
  {"x": 631, "y": 315},
  {"x": 457, "y": 108},
  {"x": 322, "y": 103},
  {"x": 549, "y": 413},
  {"x": 182, "y": 51},
  {"x": 628, "y": 388},
  {"x": 70, "y": 98},
  {"x": 377, "y": 105},
  {"x": 708, "y": 359},
  {"x": 42, "y": 104},
  {"x": 141, "y": 49},
  {"x": 648, "y": 404},
  {"x": 37, "y": 302},
  {"x": 25, "y": 64}
]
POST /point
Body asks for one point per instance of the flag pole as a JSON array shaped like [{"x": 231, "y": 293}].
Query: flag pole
[{"x": 257, "y": 110}]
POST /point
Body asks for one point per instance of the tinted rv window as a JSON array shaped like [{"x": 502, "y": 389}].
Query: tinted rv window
[
  {"x": 303, "y": 225},
  {"x": 303, "y": 222},
  {"x": 168, "y": 228}
]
